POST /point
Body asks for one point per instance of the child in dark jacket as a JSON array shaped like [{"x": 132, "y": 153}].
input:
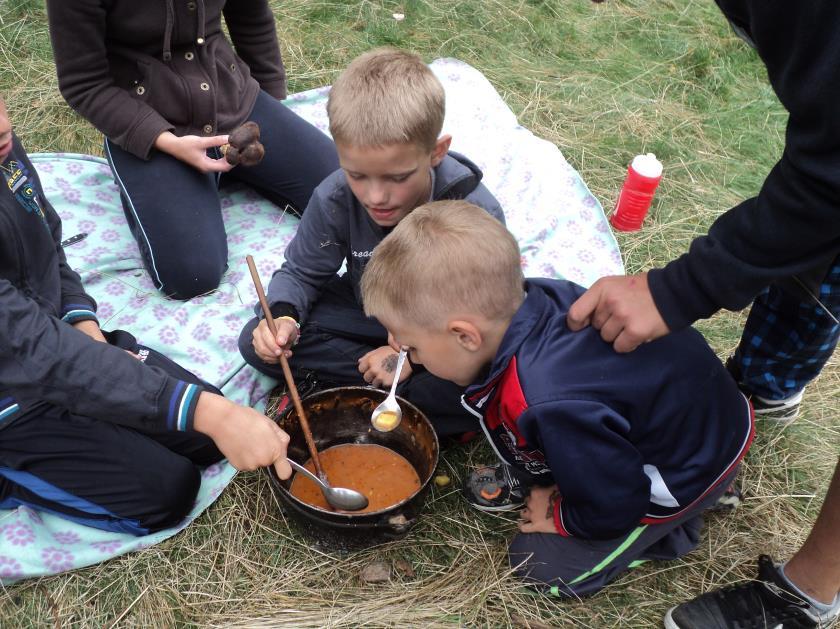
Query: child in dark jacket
[
  {"x": 624, "y": 451},
  {"x": 93, "y": 427},
  {"x": 393, "y": 159}
]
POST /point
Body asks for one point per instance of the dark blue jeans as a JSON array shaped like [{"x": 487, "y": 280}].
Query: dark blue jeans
[
  {"x": 175, "y": 212},
  {"x": 788, "y": 337}
]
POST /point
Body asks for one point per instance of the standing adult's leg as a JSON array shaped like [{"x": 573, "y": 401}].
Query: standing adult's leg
[
  {"x": 787, "y": 339},
  {"x": 298, "y": 156},
  {"x": 175, "y": 214},
  {"x": 815, "y": 568},
  {"x": 804, "y": 592}
]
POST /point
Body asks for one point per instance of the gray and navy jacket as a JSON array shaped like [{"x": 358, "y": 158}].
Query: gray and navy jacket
[
  {"x": 336, "y": 228},
  {"x": 43, "y": 358},
  {"x": 628, "y": 439}
]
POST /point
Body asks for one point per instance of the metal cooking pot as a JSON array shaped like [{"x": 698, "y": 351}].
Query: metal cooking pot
[{"x": 342, "y": 415}]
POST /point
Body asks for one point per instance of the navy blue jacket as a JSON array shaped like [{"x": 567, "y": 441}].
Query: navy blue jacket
[
  {"x": 43, "y": 358},
  {"x": 628, "y": 438}
]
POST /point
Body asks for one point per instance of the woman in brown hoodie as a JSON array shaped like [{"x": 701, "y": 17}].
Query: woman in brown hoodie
[{"x": 164, "y": 85}]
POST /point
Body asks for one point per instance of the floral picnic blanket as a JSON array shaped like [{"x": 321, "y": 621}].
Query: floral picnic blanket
[{"x": 560, "y": 226}]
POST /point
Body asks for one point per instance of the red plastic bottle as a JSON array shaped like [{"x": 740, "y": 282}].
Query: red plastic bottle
[{"x": 643, "y": 176}]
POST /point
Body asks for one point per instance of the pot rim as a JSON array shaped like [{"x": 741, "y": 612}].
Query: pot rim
[{"x": 349, "y": 515}]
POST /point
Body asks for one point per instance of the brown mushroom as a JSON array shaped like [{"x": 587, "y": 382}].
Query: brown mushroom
[
  {"x": 251, "y": 155},
  {"x": 244, "y": 135},
  {"x": 244, "y": 147}
]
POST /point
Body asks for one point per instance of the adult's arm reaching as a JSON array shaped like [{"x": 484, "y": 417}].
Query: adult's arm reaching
[{"x": 790, "y": 228}]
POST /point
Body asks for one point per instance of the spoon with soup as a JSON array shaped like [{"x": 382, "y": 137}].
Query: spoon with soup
[
  {"x": 388, "y": 415},
  {"x": 339, "y": 497}
]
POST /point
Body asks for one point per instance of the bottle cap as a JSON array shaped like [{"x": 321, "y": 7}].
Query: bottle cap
[{"x": 647, "y": 165}]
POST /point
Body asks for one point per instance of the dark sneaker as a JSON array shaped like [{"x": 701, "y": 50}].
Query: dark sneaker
[
  {"x": 730, "y": 500},
  {"x": 784, "y": 411},
  {"x": 495, "y": 488},
  {"x": 279, "y": 398},
  {"x": 763, "y": 603}
]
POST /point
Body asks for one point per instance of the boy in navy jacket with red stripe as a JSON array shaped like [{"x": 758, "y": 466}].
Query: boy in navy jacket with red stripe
[
  {"x": 624, "y": 450},
  {"x": 86, "y": 431}
]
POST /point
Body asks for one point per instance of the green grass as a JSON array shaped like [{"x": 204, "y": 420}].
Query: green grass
[{"x": 603, "y": 82}]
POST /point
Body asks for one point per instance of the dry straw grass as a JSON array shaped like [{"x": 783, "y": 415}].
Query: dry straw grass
[{"x": 603, "y": 82}]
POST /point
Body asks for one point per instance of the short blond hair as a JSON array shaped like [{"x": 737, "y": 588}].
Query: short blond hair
[
  {"x": 386, "y": 96},
  {"x": 445, "y": 259}
]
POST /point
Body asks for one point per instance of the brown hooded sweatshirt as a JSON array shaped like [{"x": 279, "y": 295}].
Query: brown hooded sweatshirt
[{"x": 135, "y": 69}]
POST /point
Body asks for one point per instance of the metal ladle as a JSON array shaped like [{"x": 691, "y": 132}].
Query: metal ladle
[
  {"x": 388, "y": 414},
  {"x": 339, "y": 497}
]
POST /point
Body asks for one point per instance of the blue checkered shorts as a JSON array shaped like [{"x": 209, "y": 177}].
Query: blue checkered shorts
[{"x": 788, "y": 338}]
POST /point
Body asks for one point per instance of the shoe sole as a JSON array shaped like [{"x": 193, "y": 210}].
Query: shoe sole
[
  {"x": 669, "y": 620},
  {"x": 782, "y": 416},
  {"x": 499, "y": 509}
]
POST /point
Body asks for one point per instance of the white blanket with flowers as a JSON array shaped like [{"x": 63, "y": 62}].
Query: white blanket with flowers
[{"x": 559, "y": 223}]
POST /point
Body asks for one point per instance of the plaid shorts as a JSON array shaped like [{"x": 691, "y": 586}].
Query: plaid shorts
[{"x": 788, "y": 338}]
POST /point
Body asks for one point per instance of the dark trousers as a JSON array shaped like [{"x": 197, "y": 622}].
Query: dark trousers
[
  {"x": 175, "y": 213},
  {"x": 569, "y": 566},
  {"x": 788, "y": 336},
  {"x": 102, "y": 472},
  {"x": 336, "y": 335}
]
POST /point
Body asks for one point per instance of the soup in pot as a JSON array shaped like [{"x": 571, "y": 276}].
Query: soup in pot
[{"x": 385, "y": 477}]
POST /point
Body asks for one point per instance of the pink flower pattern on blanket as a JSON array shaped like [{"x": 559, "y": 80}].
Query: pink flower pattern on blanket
[
  {"x": 19, "y": 534},
  {"x": 10, "y": 568},
  {"x": 67, "y": 537},
  {"x": 562, "y": 233},
  {"x": 57, "y": 559},
  {"x": 106, "y": 547}
]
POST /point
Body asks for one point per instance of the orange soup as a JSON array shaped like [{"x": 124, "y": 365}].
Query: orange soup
[{"x": 385, "y": 477}]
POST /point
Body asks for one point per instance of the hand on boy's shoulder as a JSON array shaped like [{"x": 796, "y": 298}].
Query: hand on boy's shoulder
[
  {"x": 622, "y": 308},
  {"x": 378, "y": 366}
]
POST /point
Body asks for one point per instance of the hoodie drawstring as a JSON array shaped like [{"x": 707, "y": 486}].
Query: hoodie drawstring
[
  {"x": 201, "y": 27},
  {"x": 167, "y": 32}
]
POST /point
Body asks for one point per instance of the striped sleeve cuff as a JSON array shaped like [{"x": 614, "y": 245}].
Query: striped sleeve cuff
[
  {"x": 180, "y": 411},
  {"x": 8, "y": 407},
  {"x": 73, "y": 313},
  {"x": 558, "y": 518}
]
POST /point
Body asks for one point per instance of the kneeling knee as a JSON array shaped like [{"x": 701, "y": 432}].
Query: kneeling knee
[
  {"x": 546, "y": 571},
  {"x": 192, "y": 278},
  {"x": 172, "y": 501}
]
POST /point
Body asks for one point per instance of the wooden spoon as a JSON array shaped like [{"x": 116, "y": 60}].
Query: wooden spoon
[{"x": 287, "y": 372}]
